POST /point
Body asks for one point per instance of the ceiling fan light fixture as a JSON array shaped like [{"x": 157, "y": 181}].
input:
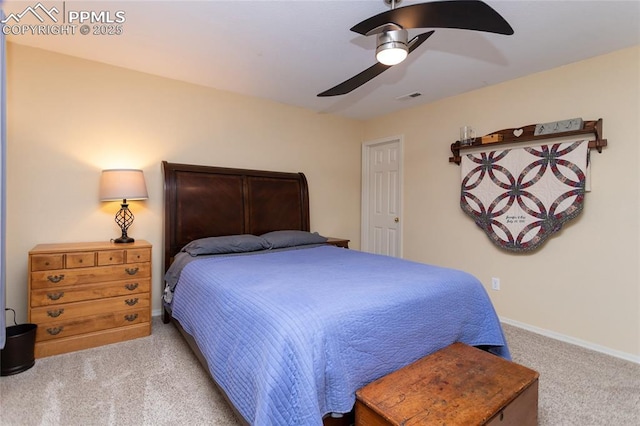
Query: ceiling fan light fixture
[{"x": 392, "y": 47}]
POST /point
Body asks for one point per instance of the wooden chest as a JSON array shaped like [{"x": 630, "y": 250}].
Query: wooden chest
[
  {"x": 83, "y": 295},
  {"x": 458, "y": 385}
]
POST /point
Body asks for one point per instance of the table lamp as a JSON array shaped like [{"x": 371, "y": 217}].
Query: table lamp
[{"x": 123, "y": 184}]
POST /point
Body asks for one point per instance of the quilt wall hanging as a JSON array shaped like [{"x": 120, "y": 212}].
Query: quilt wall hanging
[{"x": 521, "y": 196}]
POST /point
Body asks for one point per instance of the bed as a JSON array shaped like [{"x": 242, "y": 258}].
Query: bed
[{"x": 287, "y": 325}]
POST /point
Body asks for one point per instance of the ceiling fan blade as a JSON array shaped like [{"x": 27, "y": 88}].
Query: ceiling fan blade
[
  {"x": 371, "y": 72},
  {"x": 356, "y": 81},
  {"x": 418, "y": 40},
  {"x": 463, "y": 14}
]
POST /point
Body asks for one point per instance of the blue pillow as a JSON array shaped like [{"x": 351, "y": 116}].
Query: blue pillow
[
  {"x": 292, "y": 238},
  {"x": 227, "y": 244}
]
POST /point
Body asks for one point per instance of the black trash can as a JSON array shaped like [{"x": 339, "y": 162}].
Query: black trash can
[{"x": 18, "y": 353}]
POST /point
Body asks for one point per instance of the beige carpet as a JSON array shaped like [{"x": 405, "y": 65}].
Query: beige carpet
[{"x": 157, "y": 381}]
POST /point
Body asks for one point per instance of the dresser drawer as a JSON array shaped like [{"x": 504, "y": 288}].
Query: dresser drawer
[
  {"x": 47, "y": 262},
  {"x": 138, "y": 255},
  {"x": 44, "y": 315},
  {"x": 78, "y": 293},
  {"x": 81, "y": 260},
  {"x": 75, "y": 326},
  {"x": 111, "y": 257},
  {"x": 67, "y": 277}
]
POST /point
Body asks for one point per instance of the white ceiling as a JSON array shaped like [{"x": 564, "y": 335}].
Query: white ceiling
[{"x": 289, "y": 51}]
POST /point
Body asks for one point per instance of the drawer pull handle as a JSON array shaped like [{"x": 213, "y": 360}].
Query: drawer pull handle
[
  {"x": 131, "y": 271},
  {"x": 131, "y": 286},
  {"x": 131, "y": 317},
  {"x": 131, "y": 302},
  {"x": 55, "y": 296},
  {"x": 56, "y": 313},
  {"x": 55, "y": 278},
  {"x": 55, "y": 330}
]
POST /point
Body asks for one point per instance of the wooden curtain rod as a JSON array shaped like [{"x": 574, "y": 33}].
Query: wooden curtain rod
[{"x": 526, "y": 134}]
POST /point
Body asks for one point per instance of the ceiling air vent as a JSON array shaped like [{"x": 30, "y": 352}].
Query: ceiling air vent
[{"x": 409, "y": 96}]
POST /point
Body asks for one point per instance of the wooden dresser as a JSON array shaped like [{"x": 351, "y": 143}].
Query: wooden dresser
[
  {"x": 83, "y": 295},
  {"x": 338, "y": 242},
  {"x": 458, "y": 385}
]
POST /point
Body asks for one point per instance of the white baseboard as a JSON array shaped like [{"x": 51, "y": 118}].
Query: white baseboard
[{"x": 573, "y": 340}]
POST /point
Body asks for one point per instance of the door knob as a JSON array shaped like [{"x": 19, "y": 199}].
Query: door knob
[{"x": 396, "y": 220}]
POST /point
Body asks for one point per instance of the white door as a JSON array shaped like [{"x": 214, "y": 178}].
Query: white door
[{"x": 381, "y": 197}]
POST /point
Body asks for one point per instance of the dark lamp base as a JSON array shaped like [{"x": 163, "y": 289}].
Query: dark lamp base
[
  {"x": 124, "y": 219},
  {"x": 123, "y": 240}
]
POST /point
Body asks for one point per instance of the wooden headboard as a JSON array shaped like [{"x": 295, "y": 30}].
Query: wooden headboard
[{"x": 204, "y": 201}]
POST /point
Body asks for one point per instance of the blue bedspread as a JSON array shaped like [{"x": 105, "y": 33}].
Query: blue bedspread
[{"x": 290, "y": 336}]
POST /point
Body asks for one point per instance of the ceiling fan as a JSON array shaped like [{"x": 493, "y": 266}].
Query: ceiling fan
[{"x": 391, "y": 28}]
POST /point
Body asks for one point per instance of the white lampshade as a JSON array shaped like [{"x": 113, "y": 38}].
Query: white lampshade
[{"x": 122, "y": 184}]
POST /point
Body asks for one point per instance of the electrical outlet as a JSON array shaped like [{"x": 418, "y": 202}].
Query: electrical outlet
[{"x": 495, "y": 283}]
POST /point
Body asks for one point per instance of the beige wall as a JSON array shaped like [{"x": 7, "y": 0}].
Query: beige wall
[
  {"x": 585, "y": 281},
  {"x": 69, "y": 118}
]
